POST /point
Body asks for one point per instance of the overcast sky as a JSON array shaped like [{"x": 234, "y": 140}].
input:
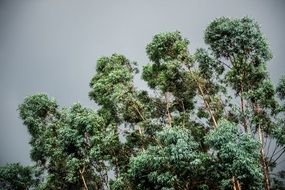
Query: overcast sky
[{"x": 52, "y": 46}]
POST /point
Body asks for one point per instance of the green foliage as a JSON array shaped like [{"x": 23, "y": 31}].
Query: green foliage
[
  {"x": 237, "y": 154},
  {"x": 279, "y": 133},
  {"x": 35, "y": 110},
  {"x": 231, "y": 38},
  {"x": 169, "y": 77},
  {"x": 281, "y": 88},
  {"x": 171, "y": 163},
  {"x": 167, "y": 46},
  {"x": 66, "y": 141},
  {"x": 113, "y": 78},
  {"x": 202, "y": 124},
  {"x": 16, "y": 177},
  {"x": 207, "y": 64},
  {"x": 169, "y": 54},
  {"x": 112, "y": 87}
]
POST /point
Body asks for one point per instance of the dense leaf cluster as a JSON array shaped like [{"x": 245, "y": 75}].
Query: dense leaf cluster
[{"x": 16, "y": 177}]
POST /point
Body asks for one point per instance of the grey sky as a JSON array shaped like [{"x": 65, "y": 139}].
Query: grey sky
[{"x": 52, "y": 46}]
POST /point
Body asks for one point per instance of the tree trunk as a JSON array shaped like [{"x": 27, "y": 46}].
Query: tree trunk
[
  {"x": 266, "y": 179},
  {"x": 242, "y": 108},
  {"x": 207, "y": 105},
  {"x": 236, "y": 184},
  {"x": 169, "y": 117},
  {"x": 201, "y": 92},
  {"x": 83, "y": 179}
]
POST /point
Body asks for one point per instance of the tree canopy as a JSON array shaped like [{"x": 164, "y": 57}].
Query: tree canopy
[{"x": 210, "y": 119}]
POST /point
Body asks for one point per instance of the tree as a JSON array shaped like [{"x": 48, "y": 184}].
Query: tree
[
  {"x": 211, "y": 119},
  {"x": 16, "y": 177},
  {"x": 67, "y": 143}
]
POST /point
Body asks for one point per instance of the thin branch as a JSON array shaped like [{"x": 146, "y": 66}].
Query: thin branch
[
  {"x": 167, "y": 109},
  {"x": 82, "y": 177},
  {"x": 276, "y": 147},
  {"x": 279, "y": 156},
  {"x": 282, "y": 149},
  {"x": 280, "y": 162},
  {"x": 225, "y": 64},
  {"x": 268, "y": 147},
  {"x": 138, "y": 111},
  {"x": 242, "y": 107},
  {"x": 204, "y": 99}
]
